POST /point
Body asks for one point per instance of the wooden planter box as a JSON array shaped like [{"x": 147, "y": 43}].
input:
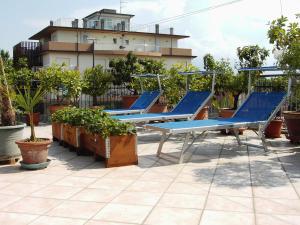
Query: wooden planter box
[
  {"x": 115, "y": 150},
  {"x": 57, "y": 131},
  {"x": 71, "y": 136}
]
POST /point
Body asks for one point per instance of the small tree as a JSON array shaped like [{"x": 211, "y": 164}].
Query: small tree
[
  {"x": 96, "y": 82},
  {"x": 8, "y": 115}
]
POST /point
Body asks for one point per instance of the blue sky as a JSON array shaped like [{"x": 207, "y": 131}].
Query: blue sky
[{"x": 218, "y": 32}]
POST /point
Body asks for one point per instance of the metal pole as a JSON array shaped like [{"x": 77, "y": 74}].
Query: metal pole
[
  {"x": 93, "y": 53},
  {"x": 249, "y": 83}
]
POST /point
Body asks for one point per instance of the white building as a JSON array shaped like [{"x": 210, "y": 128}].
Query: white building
[{"x": 101, "y": 36}]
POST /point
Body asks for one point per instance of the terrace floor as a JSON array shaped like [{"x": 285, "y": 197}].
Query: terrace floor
[{"x": 218, "y": 184}]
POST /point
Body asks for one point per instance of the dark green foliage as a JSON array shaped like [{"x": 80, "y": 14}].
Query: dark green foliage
[{"x": 252, "y": 56}]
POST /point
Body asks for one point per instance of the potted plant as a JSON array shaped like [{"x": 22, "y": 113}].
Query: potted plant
[
  {"x": 286, "y": 39},
  {"x": 63, "y": 83},
  {"x": 34, "y": 150},
  {"x": 96, "y": 82},
  {"x": 10, "y": 130},
  {"x": 114, "y": 141}
]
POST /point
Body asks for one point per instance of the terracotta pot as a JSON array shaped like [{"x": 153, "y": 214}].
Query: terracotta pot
[
  {"x": 54, "y": 108},
  {"x": 292, "y": 120},
  {"x": 274, "y": 129},
  {"x": 203, "y": 114},
  {"x": 228, "y": 113},
  {"x": 128, "y": 100},
  {"x": 158, "y": 108},
  {"x": 36, "y": 119},
  {"x": 34, "y": 152}
]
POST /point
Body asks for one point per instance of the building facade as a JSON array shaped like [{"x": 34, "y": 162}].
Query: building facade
[{"x": 100, "y": 37}]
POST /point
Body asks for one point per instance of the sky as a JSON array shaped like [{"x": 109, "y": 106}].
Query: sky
[{"x": 219, "y": 31}]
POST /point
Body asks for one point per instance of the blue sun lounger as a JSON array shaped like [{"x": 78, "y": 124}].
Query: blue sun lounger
[
  {"x": 141, "y": 105},
  {"x": 145, "y": 101},
  {"x": 187, "y": 108},
  {"x": 256, "y": 113}
]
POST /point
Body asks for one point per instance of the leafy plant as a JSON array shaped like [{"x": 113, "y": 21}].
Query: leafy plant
[
  {"x": 96, "y": 82},
  {"x": 27, "y": 101},
  {"x": 8, "y": 116}
]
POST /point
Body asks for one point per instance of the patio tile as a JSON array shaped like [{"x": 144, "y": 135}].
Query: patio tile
[
  {"x": 41, "y": 179},
  {"x": 32, "y": 205},
  {"x": 277, "y": 206},
  {"x": 229, "y": 203},
  {"x": 123, "y": 213},
  {"x": 98, "y": 222},
  {"x": 20, "y": 189},
  {"x": 3, "y": 184},
  {"x": 148, "y": 186},
  {"x": 285, "y": 192},
  {"x": 16, "y": 218},
  {"x": 13, "y": 177},
  {"x": 47, "y": 220},
  {"x": 5, "y": 200},
  {"x": 111, "y": 183},
  {"x": 72, "y": 181},
  {"x": 140, "y": 198},
  {"x": 182, "y": 201},
  {"x": 264, "y": 219},
  {"x": 96, "y": 195},
  {"x": 231, "y": 190},
  {"x": 188, "y": 188},
  {"x": 210, "y": 217},
  {"x": 191, "y": 178},
  {"x": 76, "y": 209},
  {"x": 61, "y": 170},
  {"x": 174, "y": 216},
  {"x": 57, "y": 192}
]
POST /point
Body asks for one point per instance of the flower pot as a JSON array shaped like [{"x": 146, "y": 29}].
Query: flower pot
[
  {"x": 128, "y": 100},
  {"x": 34, "y": 152},
  {"x": 54, "y": 108},
  {"x": 117, "y": 150},
  {"x": 36, "y": 119},
  {"x": 9, "y": 151},
  {"x": 158, "y": 108},
  {"x": 228, "y": 113},
  {"x": 292, "y": 120},
  {"x": 71, "y": 136},
  {"x": 203, "y": 114},
  {"x": 273, "y": 130},
  {"x": 57, "y": 131}
]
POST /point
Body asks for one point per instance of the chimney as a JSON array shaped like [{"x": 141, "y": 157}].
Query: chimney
[
  {"x": 171, "y": 30},
  {"x": 51, "y": 23},
  {"x": 157, "y": 28}
]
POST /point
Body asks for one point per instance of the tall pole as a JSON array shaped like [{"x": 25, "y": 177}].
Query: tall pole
[{"x": 93, "y": 53}]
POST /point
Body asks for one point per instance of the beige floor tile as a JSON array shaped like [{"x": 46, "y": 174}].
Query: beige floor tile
[
  {"x": 139, "y": 198},
  {"x": 111, "y": 183},
  {"x": 76, "y": 209},
  {"x": 182, "y": 201},
  {"x": 285, "y": 192},
  {"x": 123, "y": 213},
  {"x": 148, "y": 186},
  {"x": 96, "y": 195},
  {"x": 226, "y": 218},
  {"x": 229, "y": 203},
  {"x": 5, "y": 200},
  {"x": 16, "y": 218},
  {"x": 42, "y": 179},
  {"x": 155, "y": 176},
  {"x": 57, "y": 192},
  {"x": 60, "y": 169},
  {"x": 47, "y": 220},
  {"x": 13, "y": 177},
  {"x": 277, "y": 206},
  {"x": 188, "y": 188},
  {"x": 231, "y": 190},
  {"x": 173, "y": 216},
  {"x": 72, "y": 181},
  {"x": 3, "y": 184},
  {"x": 89, "y": 172},
  {"x": 98, "y": 222},
  {"x": 20, "y": 189},
  {"x": 264, "y": 219},
  {"x": 191, "y": 178},
  {"x": 32, "y": 205}
]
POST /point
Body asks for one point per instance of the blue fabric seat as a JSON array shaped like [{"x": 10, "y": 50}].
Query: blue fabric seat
[
  {"x": 141, "y": 105},
  {"x": 186, "y": 108}
]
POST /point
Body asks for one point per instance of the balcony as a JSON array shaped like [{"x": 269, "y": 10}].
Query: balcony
[{"x": 67, "y": 47}]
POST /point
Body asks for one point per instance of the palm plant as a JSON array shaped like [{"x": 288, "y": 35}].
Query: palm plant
[{"x": 27, "y": 100}]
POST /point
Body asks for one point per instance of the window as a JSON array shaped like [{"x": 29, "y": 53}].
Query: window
[
  {"x": 115, "y": 40},
  {"x": 127, "y": 42}
]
